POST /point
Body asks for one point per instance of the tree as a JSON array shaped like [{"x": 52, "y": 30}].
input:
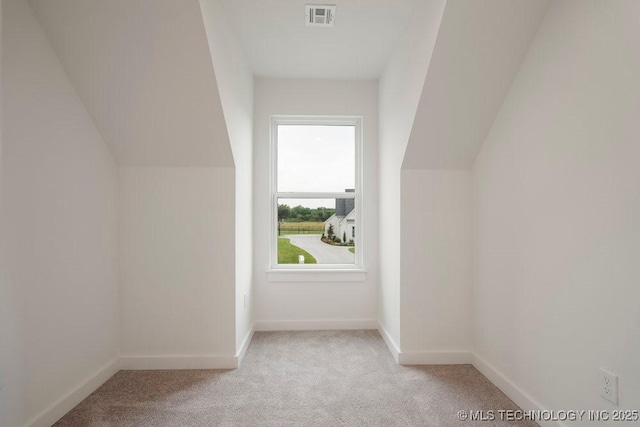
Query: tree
[
  {"x": 344, "y": 237},
  {"x": 322, "y": 214},
  {"x": 284, "y": 212},
  {"x": 301, "y": 213}
]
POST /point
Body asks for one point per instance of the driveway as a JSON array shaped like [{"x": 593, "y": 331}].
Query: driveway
[{"x": 322, "y": 252}]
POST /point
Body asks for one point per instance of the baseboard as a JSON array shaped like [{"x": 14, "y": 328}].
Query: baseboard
[
  {"x": 65, "y": 404},
  {"x": 51, "y": 415},
  {"x": 314, "y": 325},
  {"x": 69, "y": 401},
  {"x": 423, "y": 357},
  {"x": 245, "y": 345},
  {"x": 143, "y": 363},
  {"x": 515, "y": 393},
  {"x": 391, "y": 345},
  {"x": 434, "y": 358}
]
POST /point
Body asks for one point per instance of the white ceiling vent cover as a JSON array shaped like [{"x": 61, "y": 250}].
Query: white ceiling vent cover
[{"x": 319, "y": 15}]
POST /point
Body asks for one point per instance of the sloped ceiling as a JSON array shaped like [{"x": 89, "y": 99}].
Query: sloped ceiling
[
  {"x": 478, "y": 52},
  {"x": 144, "y": 72}
]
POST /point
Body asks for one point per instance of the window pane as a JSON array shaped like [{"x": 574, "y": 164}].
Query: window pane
[
  {"x": 315, "y": 158},
  {"x": 320, "y": 230}
]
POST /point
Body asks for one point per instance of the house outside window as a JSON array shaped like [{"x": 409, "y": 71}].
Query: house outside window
[{"x": 316, "y": 190}]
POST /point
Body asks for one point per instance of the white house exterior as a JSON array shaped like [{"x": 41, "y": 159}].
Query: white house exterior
[
  {"x": 343, "y": 220},
  {"x": 342, "y": 225}
]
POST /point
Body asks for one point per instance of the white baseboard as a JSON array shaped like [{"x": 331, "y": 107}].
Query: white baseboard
[
  {"x": 515, "y": 393},
  {"x": 245, "y": 345},
  {"x": 434, "y": 358},
  {"x": 314, "y": 325},
  {"x": 56, "y": 411},
  {"x": 393, "y": 347},
  {"x": 61, "y": 407},
  {"x": 423, "y": 357},
  {"x": 138, "y": 363}
]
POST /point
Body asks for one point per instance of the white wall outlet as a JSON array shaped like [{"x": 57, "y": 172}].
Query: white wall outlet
[{"x": 609, "y": 386}]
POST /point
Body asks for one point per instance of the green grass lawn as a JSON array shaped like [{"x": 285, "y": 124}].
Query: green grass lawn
[
  {"x": 352, "y": 250},
  {"x": 288, "y": 253}
]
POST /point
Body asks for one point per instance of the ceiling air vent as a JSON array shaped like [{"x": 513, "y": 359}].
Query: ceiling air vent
[{"x": 319, "y": 15}]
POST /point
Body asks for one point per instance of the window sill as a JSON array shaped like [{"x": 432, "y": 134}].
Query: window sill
[{"x": 316, "y": 275}]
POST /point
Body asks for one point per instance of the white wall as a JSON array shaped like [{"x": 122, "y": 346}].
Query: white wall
[
  {"x": 153, "y": 93},
  {"x": 235, "y": 85},
  {"x": 314, "y": 301},
  {"x": 436, "y": 265},
  {"x": 60, "y": 221},
  {"x": 479, "y": 49},
  {"x": 556, "y": 208},
  {"x": 400, "y": 86},
  {"x": 177, "y": 266},
  {"x": 5, "y": 314}
]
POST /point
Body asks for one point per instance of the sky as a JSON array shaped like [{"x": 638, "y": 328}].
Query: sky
[{"x": 315, "y": 159}]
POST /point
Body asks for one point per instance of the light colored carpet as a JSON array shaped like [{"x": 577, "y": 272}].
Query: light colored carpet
[{"x": 319, "y": 378}]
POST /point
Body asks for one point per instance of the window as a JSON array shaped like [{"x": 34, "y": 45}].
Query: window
[{"x": 316, "y": 191}]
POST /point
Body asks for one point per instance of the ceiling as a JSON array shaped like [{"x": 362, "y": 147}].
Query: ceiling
[
  {"x": 144, "y": 73},
  {"x": 478, "y": 53},
  {"x": 277, "y": 43}
]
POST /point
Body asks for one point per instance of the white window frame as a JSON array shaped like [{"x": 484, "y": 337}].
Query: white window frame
[{"x": 330, "y": 272}]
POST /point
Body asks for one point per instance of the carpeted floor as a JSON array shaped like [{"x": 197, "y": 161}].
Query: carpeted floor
[{"x": 319, "y": 378}]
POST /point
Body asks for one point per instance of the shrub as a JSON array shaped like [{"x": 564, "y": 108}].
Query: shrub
[{"x": 330, "y": 233}]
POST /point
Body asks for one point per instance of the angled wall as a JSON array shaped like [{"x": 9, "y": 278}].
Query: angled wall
[
  {"x": 144, "y": 72},
  {"x": 235, "y": 85},
  {"x": 399, "y": 89},
  {"x": 60, "y": 234},
  {"x": 556, "y": 207},
  {"x": 479, "y": 49}
]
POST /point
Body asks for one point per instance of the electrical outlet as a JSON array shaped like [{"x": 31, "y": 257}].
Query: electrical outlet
[{"x": 609, "y": 386}]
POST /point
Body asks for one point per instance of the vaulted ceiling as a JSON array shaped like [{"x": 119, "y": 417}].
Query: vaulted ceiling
[
  {"x": 478, "y": 53},
  {"x": 144, "y": 73}
]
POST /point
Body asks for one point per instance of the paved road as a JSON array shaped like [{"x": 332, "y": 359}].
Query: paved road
[{"x": 322, "y": 252}]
